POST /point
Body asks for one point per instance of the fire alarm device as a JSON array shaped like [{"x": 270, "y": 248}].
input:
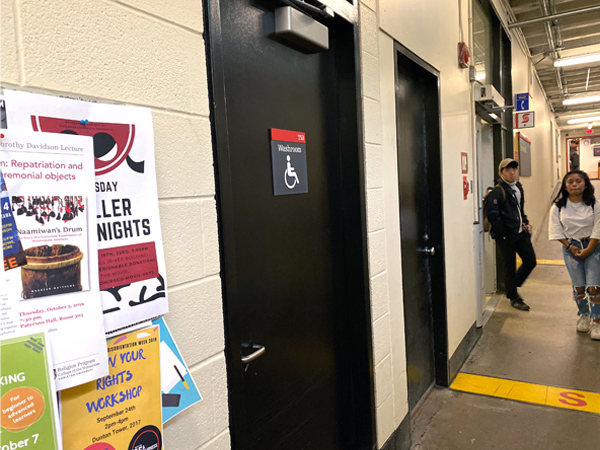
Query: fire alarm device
[{"x": 463, "y": 55}]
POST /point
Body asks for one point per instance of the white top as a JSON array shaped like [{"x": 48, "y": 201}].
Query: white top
[
  {"x": 574, "y": 221},
  {"x": 518, "y": 195}
]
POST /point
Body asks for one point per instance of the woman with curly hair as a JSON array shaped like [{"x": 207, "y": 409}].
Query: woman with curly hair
[{"x": 575, "y": 223}]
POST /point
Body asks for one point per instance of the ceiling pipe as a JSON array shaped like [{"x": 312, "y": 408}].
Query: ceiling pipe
[
  {"x": 554, "y": 16},
  {"x": 559, "y": 44},
  {"x": 523, "y": 44},
  {"x": 552, "y": 45}
]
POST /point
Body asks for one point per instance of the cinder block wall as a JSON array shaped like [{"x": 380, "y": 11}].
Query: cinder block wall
[
  {"x": 146, "y": 53},
  {"x": 385, "y": 392}
]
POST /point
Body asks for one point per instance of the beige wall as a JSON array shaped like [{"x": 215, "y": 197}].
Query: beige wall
[
  {"x": 146, "y": 53},
  {"x": 538, "y": 188},
  {"x": 433, "y": 38}
]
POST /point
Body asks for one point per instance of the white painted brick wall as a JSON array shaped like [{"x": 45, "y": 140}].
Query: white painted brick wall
[
  {"x": 174, "y": 135},
  {"x": 382, "y": 343},
  {"x": 372, "y": 119},
  {"x": 148, "y": 53},
  {"x": 379, "y": 296},
  {"x": 377, "y": 255},
  {"x": 374, "y": 163},
  {"x": 384, "y": 380},
  {"x": 105, "y": 50},
  {"x": 370, "y": 75},
  {"x": 182, "y": 12},
  {"x": 385, "y": 421},
  {"x": 381, "y": 339},
  {"x": 375, "y": 207},
  {"x": 182, "y": 217},
  {"x": 9, "y": 65},
  {"x": 368, "y": 30}
]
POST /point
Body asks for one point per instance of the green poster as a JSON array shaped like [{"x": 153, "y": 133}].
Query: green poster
[{"x": 28, "y": 416}]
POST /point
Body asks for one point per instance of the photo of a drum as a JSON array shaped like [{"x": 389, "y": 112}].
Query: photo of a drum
[{"x": 51, "y": 270}]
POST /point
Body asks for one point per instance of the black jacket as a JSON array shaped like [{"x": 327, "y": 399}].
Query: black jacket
[{"x": 503, "y": 211}]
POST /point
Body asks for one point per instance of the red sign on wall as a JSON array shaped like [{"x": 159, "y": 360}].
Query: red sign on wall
[
  {"x": 524, "y": 120},
  {"x": 464, "y": 162}
]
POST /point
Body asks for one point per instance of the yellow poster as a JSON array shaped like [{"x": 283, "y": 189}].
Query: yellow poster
[{"x": 121, "y": 411}]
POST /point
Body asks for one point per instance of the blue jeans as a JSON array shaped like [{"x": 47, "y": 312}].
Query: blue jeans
[{"x": 584, "y": 273}]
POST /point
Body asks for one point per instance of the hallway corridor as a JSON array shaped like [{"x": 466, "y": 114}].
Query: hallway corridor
[{"x": 540, "y": 347}]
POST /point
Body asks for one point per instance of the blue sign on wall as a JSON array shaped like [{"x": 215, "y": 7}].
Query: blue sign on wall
[{"x": 522, "y": 101}]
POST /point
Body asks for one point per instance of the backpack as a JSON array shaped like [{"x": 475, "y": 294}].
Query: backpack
[{"x": 487, "y": 226}]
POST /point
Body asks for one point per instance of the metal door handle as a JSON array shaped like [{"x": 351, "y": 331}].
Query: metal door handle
[
  {"x": 260, "y": 350},
  {"x": 429, "y": 250}
]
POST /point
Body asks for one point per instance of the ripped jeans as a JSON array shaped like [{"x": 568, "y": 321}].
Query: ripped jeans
[{"x": 585, "y": 276}]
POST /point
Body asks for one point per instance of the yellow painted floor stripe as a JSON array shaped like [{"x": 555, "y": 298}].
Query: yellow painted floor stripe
[
  {"x": 551, "y": 262},
  {"x": 528, "y": 392},
  {"x": 544, "y": 262}
]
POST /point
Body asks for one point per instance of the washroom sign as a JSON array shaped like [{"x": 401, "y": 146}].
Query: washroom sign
[{"x": 288, "y": 162}]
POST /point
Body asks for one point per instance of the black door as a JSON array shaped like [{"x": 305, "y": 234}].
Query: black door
[
  {"x": 293, "y": 265},
  {"x": 419, "y": 176}
]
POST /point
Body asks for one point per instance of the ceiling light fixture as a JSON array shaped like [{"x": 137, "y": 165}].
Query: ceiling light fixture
[
  {"x": 582, "y": 100},
  {"x": 584, "y": 120},
  {"x": 574, "y": 60}
]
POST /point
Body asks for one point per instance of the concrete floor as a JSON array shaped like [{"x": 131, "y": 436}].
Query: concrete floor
[{"x": 540, "y": 346}]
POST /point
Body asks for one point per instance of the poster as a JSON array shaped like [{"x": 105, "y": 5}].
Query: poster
[
  {"x": 11, "y": 244},
  {"x": 179, "y": 390},
  {"x": 51, "y": 202},
  {"x": 121, "y": 411},
  {"x": 29, "y": 416},
  {"x": 130, "y": 252}
]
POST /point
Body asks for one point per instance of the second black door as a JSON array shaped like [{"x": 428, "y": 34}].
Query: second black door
[{"x": 421, "y": 223}]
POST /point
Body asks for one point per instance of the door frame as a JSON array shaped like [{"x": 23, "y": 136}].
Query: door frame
[
  {"x": 354, "y": 213},
  {"x": 478, "y": 232},
  {"x": 441, "y": 357}
]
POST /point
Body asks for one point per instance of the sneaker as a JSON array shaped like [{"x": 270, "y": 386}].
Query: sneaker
[
  {"x": 595, "y": 331},
  {"x": 583, "y": 324},
  {"x": 518, "y": 303}
]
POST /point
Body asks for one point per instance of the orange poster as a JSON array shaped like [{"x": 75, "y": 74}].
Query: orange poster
[{"x": 123, "y": 410}]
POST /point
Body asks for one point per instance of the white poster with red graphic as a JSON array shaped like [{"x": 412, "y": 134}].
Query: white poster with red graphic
[{"x": 131, "y": 261}]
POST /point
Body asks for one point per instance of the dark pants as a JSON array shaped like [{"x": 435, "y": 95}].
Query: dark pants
[{"x": 509, "y": 247}]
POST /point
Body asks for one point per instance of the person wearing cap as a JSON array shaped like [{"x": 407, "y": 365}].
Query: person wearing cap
[{"x": 511, "y": 229}]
